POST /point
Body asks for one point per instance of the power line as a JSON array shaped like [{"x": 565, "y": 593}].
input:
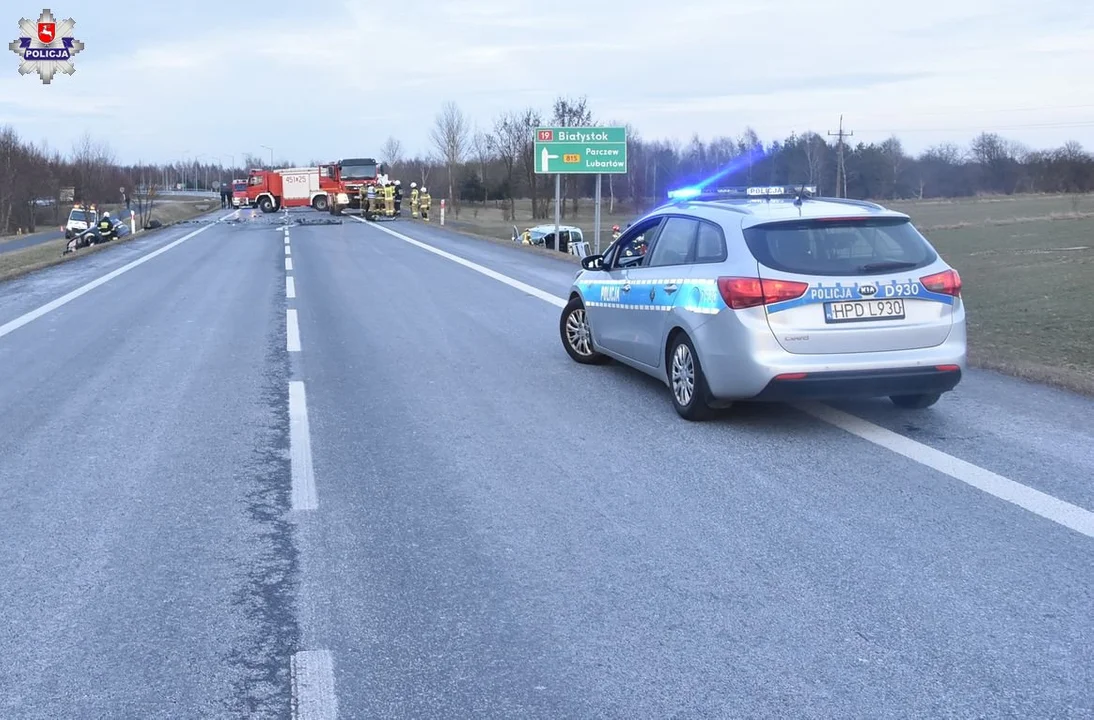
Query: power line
[{"x": 841, "y": 171}]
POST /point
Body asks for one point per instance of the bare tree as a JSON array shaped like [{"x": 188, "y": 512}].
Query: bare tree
[
  {"x": 893, "y": 151},
  {"x": 391, "y": 152},
  {"x": 93, "y": 162},
  {"x": 508, "y": 142},
  {"x": 530, "y": 119},
  {"x": 571, "y": 113},
  {"x": 144, "y": 193},
  {"x": 10, "y": 161},
  {"x": 450, "y": 137},
  {"x": 814, "y": 156},
  {"x": 481, "y": 144}
]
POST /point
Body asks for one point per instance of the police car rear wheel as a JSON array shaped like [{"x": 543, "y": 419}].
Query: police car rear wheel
[
  {"x": 577, "y": 336},
  {"x": 915, "y": 402},
  {"x": 687, "y": 382}
]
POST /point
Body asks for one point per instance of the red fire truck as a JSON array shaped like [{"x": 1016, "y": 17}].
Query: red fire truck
[
  {"x": 239, "y": 193},
  {"x": 346, "y": 178},
  {"x": 271, "y": 190}
]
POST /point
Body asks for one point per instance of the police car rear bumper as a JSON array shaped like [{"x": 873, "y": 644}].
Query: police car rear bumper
[{"x": 862, "y": 383}]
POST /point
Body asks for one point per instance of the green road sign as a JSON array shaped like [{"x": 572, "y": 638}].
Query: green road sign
[{"x": 581, "y": 150}]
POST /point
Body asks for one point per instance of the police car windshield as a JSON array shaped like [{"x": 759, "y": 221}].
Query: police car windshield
[
  {"x": 78, "y": 215},
  {"x": 840, "y": 247},
  {"x": 365, "y": 171}
]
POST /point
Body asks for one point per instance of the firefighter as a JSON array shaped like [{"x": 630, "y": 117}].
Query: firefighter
[
  {"x": 414, "y": 200},
  {"x": 106, "y": 228},
  {"x": 615, "y": 233},
  {"x": 398, "y": 198},
  {"x": 425, "y": 199},
  {"x": 389, "y": 199},
  {"x": 369, "y": 207}
]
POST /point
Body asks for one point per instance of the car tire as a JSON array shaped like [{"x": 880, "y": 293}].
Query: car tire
[
  {"x": 577, "y": 338},
  {"x": 915, "y": 402},
  {"x": 320, "y": 203},
  {"x": 687, "y": 383},
  {"x": 266, "y": 205}
]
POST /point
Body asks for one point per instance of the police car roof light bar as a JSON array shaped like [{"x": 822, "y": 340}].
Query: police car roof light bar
[{"x": 796, "y": 192}]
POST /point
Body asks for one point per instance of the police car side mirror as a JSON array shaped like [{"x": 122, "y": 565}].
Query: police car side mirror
[{"x": 593, "y": 262}]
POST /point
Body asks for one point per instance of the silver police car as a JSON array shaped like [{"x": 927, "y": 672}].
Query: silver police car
[{"x": 772, "y": 293}]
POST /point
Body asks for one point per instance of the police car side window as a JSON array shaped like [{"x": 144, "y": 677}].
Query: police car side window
[
  {"x": 710, "y": 244},
  {"x": 632, "y": 246},
  {"x": 674, "y": 242}
]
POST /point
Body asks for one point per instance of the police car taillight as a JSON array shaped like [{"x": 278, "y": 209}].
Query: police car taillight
[
  {"x": 742, "y": 292},
  {"x": 947, "y": 282}
]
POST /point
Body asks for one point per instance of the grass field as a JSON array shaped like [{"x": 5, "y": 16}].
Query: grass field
[
  {"x": 1027, "y": 263},
  {"x": 20, "y": 262}
]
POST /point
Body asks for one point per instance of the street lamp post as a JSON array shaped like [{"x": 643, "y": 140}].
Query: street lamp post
[{"x": 267, "y": 147}]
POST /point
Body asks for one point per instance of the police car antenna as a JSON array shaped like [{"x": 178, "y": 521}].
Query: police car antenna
[{"x": 800, "y": 197}]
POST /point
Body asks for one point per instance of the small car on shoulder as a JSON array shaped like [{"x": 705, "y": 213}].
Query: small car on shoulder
[{"x": 772, "y": 294}]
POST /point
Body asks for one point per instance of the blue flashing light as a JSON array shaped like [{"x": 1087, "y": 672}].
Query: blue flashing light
[
  {"x": 743, "y": 193},
  {"x": 685, "y": 193}
]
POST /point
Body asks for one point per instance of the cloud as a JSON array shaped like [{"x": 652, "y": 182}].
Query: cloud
[{"x": 158, "y": 79}]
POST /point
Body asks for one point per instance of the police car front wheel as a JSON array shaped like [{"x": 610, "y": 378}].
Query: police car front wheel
[{"x": 576, "y": 334}]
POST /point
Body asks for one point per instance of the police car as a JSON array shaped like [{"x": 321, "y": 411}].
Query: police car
[{"x": 772, "y": 293}]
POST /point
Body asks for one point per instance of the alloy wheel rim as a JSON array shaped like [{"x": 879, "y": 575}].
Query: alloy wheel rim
[
  {"x": 683, "y": 375},
  {"x": 577, "y": 332}
]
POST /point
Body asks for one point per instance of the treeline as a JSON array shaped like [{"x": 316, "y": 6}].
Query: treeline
[
  {"x": 33, "y": 177},
  {"x": 496, "y": 163}
]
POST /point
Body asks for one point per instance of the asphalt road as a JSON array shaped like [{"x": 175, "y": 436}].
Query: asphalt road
[{"x": 382, "y": 489}]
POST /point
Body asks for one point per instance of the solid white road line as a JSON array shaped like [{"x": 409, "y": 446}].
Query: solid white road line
[
  {"x": 292, "y": 334},
  {"x": 84, "y": 289},
  {"x": 288, "y": 263},
  {"x": 1037, "y": 502},
  {"x": 1025, "y": 497},
  {"x": 313, "y": 686},
  {"x": 523, "y": 287},
  {"x": 290, "y": 287},
  {"x": 303, "y": 473}
]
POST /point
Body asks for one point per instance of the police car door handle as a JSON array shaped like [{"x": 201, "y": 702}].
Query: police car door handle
[{"x": 671, "y": 288}]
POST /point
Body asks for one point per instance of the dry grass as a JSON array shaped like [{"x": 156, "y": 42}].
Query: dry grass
[
  {"x": 1027, "y": 263},
  {"x": 27, "y": 260}
]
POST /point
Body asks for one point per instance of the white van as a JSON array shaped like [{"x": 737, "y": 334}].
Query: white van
[{"x": 80, "y": 219}]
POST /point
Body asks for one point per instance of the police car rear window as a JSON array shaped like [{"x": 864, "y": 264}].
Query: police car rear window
[{"x": 853, "y": 246}]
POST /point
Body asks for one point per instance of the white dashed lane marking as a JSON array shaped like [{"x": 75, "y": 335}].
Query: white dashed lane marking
[
  {"x": 313, "y": 694},
  {"x": 288, "y": 263},
  {"x": 1066, "y": 514},
  {"x": 303, "y": 473},
  {"x": 290, "y": 287},
  {"x": 293, "y": 330}
]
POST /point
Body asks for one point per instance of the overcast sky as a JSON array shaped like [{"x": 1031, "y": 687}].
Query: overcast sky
[{"x": 322, "y": 80}]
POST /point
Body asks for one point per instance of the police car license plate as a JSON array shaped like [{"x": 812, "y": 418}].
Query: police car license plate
[{"x": 863, "y": 310}]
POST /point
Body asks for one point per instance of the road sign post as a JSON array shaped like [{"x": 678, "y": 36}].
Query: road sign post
[
  {"x": 579, "y": 151},
  {"x": 558, "y": 212},
  {"x": 596, "y": 216}
]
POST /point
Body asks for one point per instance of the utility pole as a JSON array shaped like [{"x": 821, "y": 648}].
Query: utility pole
[{"x": 841, "y": 169}]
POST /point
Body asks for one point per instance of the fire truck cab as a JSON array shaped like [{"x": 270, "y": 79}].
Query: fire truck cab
[
  {"x": 239, "y": 193},
  {"x": 346, "y": 178}
]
